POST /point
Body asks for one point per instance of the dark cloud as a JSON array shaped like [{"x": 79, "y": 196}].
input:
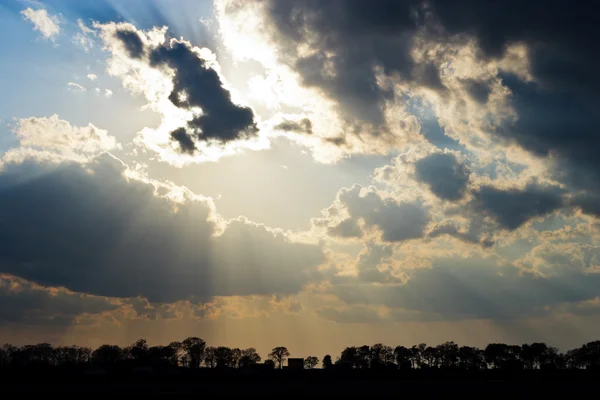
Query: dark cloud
[
  {"x": 186, "y": 142},
  {"x": 454, "y": 289},
  {"x": 302, "y": 126},
  {"x": 91, "y": 230},
  {"x": 446, "y": 177},
  {"x": 370, "y": 262},
  {"x": 132, "y": 42},
  {"x": 195, "y": 84},
  {"x": 511, "y": 208},
  {"x": 556, "y": 111},
  {"x": 348, "y": 228},
  {"x": 397, "y": 221},
  {"x": 350, "y": 39},
  {"x": 473, "y": 234},
  {"x": 479, "y": 91},
  {"x": 26, "y": 303}
]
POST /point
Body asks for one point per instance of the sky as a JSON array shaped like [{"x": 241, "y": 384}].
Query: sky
[{"x": 309, "y": 174}]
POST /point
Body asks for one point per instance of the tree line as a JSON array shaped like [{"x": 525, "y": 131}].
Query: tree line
[{"x": 193, "y": 353}]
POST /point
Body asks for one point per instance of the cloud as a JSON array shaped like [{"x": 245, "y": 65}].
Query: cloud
[
  {"x": 496, "y": 82},
  {"x": 356, "y": 211},
  {"x": 100, "y": 231},
  {"x": 470, "y": 288},
  {"x": 92, "y": 77},
  {"x": 47, "y": 25},
  {"x": 446, "y": 177},
  {"x": 345, "y": 42},
  {"x": 26, "y": 303},
  {"x": 511, "y": 208},
  {"x": 108, "y": 93},
  {"x": 76, "y": 87},
  {"x": 186, "y": 87},
  {"x": 302, "y": 126},
  {"x": 83, "y": 38},
  {"x": 53, "y": 139}
]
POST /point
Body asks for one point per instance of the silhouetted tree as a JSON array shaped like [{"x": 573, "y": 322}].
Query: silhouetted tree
[
  {"x": 192, "y": 351},
  {"x": 176, "y": 353},
  {"x": 402, "y": 356},
  {"x": 236, "y": 354},
  {"x": 364, "y": 357},
  {"x": 107, "y": 355},
  {"x": 430, "y": 357},
  {"x": 310, "y": 362},
  {"x": 138, "y": 351},
  {"x": 72, "y": 355},
  {"x": 223, "y": 356},
  {"x": 210, "y": 359},
  {"x": 194, "y": 347},
  {"x": 248, "y": 358},
  {"x": 447, "y": 354},
  {"x": 416, "y": 355},
  {"x": 471, "y": 358},
  {"x": 380, "y": 356},
  {"x": 327, "y": 363},
  {"x": 349, "y": 357},
  {"x": 279, "y": 355}
]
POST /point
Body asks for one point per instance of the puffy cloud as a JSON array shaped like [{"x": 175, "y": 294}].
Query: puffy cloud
[
  {"x": 92, "y": 77},
  {"x": 26, "y": 303},
  {"x": 100, "y": 232},
  {"x": 357, "y": 211},
  {"x": 511, "y": 208},
  {"x": 48, "y": 25},
  {"x": 446, "y": 177},
  {"x": 551, "y": 259},
  {"x": 55, "y": 133},
  {"x": 54, "y": 139}
]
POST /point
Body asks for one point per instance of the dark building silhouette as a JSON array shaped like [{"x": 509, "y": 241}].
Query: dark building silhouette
[{"x": 295, "y": 363}]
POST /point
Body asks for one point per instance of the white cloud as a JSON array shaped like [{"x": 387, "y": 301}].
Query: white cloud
[
  {"x": 54, "y": 140},
  {"x": 76, "y": 86},
  {"x": 108, "y": 92},
  {"x": 92, "y": 77},
  {"x": 47, "y": 25},
  {"x": 83, "y": 38}
]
